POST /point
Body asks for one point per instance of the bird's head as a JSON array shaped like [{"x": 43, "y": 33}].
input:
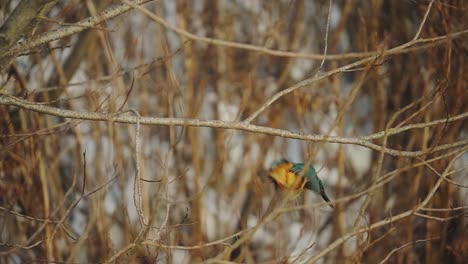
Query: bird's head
[{"x": 278, "y": 162}]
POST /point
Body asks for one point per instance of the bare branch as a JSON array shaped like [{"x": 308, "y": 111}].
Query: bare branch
[
  {"x": 405, "y": 245},
  {"x": 118, "y": 118},
  {"x": 416, "y": 36},
  {"x": 279, "y": 53}
]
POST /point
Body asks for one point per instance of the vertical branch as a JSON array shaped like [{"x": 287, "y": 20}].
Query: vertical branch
[
  {"x": 325, "y": 49},
  {"x": 45, "y": 183}
]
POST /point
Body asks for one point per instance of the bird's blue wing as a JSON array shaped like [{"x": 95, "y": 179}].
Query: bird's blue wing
[{"x": 297, "y": 168}]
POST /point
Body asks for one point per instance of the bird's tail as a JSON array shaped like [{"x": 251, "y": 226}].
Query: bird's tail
[{"x": 325, "y": 197}]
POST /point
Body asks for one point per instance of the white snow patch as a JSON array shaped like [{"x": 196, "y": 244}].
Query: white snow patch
[
  {"x": 335, "y": 16},
  {"x": 461, "y": 175},
  {"x": 300, "y": 242},
  {"x": 89, "y": 145},
  {"x": 78, "y": 90},
  {"x": 294, "y": 150},
  {"x": 131, "y": 209},
  {"x": 227, "y": 112},
  {"x": 111, "y": 198},
  {"x": 107, "y": 147},
  {"x": 329, "y": 176},
  {"x": 252, "y": 5},
  {"x": 116, "y": 236},
  {"x": 261, "y": 236},
  {"x": 206, "y": 111},
  {"x": 390, "y": 203},
  {"x": 180, "y": 256},
  {"x": 271, "y": 86},
  {"x": 270, "y": 157},
  {"x": 60, "y": 244},
  {"x": 214, "y": 212},
  {"x": 78, "y": 217},
  {"x": 252, "y": 156},
  {"x": 234, "y": 145},
  {"x": 359, "y": 158},
  {"x": 300, "y": 68}
]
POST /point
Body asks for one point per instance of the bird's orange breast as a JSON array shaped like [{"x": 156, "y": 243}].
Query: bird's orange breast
[{"x": 286, "y": 179}]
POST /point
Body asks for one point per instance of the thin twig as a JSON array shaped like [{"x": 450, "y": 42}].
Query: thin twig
[
  {"x": 416, "y": 36},
  {"x": 327, "y": 28},
  {"x": 405, "y": 245}
]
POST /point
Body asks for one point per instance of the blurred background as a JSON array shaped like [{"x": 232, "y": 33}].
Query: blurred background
[{"x": 67, "y": 186}]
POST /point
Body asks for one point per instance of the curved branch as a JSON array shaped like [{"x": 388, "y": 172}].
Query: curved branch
[{"x": 281, "y": 53}]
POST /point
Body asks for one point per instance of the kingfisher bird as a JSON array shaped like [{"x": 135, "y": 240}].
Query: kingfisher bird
[{"x": 287, "y": 175}]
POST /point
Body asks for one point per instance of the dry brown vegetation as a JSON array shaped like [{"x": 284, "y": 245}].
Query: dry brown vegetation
[{"x": 146, "y": 136}]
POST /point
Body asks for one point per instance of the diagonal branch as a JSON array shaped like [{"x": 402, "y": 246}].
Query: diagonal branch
[{"x": 65, "y": 31}]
